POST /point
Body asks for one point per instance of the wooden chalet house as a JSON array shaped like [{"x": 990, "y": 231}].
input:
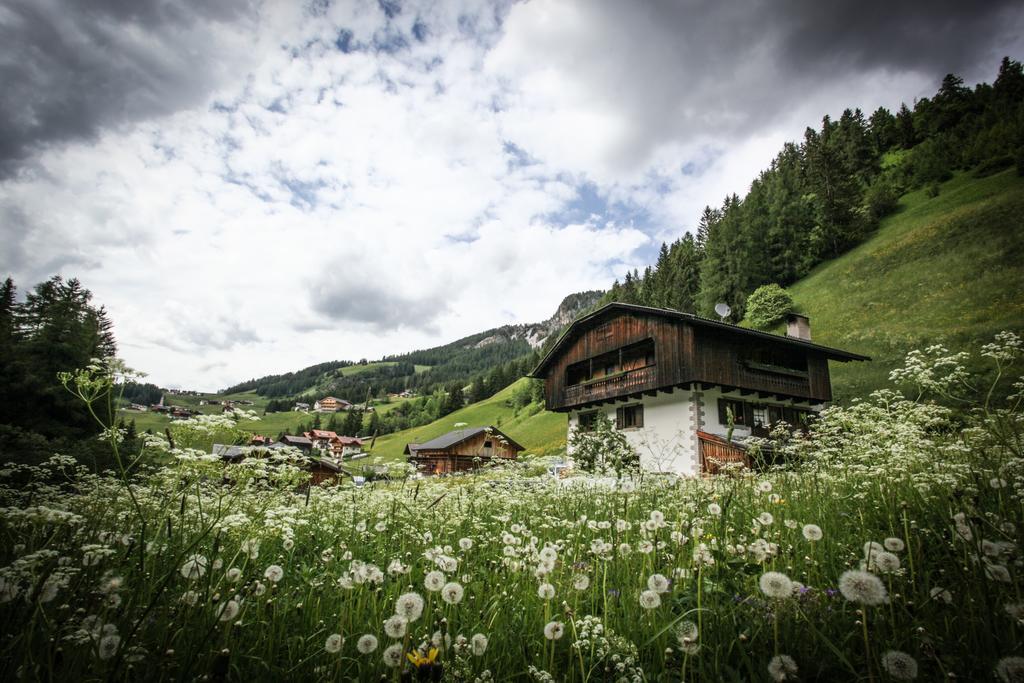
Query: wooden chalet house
[
  {"x": 461, "y": 450},
  {"x": 330, "y": 404},
  {"x": 670, "y": 380}
]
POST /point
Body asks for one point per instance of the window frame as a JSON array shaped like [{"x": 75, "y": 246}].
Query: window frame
[
  {"x": 635, "y": 410},
  {"x": 586, "y": 420}
]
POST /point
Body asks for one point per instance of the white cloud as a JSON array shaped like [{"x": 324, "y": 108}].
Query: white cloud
[{"x": 327, "y": 204}]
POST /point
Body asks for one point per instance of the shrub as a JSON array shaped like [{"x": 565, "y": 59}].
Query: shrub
[
  {"x": 603, "y": 450},
  {"x": 881, "y": 198},
  {"x": 768, "y": 305}
]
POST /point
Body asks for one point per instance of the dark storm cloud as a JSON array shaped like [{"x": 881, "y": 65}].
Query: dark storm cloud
[
  {"x": 932, "y": 37},
  {"x": 374, "y": 305},
  {"x": 69, "y": 69},
  {"x": 32, "y": 263},
  {"x": 681, "y": 71}
]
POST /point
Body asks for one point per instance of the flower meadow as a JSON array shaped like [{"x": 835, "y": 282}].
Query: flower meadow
[{"x": 885, "y": 546}]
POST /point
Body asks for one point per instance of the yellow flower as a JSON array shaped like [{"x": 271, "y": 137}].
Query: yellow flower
[{"x": 419, "y": 660}]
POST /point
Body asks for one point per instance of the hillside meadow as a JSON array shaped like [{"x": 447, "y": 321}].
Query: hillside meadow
[
  {"x": 539, "y": 431},
  {"x": 888, "y": 547},
  {"x": 941, "y": 270}
]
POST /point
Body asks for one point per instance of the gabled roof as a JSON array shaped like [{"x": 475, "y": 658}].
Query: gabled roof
[
  {"x": 296, "y": 440},
  {"x": 229, "y": 452},
  {"x": 455, "y": 437},
  {"x": 322, "y": 434},
  {"x": 614, "y": 308}
]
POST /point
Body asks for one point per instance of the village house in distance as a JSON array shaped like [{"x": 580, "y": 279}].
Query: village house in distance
[
  {"x": 331, "y": 404},
  {"x": 461, "y": 450},
  {"x": 669, "y": 380}
]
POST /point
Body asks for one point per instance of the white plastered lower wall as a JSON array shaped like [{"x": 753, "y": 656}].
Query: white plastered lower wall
[{"x": 668, "y": 440}]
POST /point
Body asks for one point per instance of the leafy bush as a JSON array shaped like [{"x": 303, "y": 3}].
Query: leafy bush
[
  {"x": 993, "y": 166},
  {"x": 768, "y": 305},
  {"x": 881, "y": 198},
  {"x": 603, "y": 450}
]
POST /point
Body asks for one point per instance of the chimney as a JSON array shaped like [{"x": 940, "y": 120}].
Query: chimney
[{"x": 798, "y": 326}]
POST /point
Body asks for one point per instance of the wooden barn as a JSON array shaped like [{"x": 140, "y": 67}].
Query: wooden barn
[
  {"x": 461, "y": 450},
  {"x": 665, "y": 378}
]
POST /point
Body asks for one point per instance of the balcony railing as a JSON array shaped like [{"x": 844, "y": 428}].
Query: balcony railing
[
  {"x": 611, "y": 387},
  {"x": 756, "y": 378}
]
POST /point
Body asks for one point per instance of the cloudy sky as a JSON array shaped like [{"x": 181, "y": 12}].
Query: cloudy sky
[{"x": 252, "y": 187}]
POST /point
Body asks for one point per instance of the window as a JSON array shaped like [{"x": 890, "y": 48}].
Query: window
[
  {"x": 629, "y": 417},
  {"x": 587, "y": 420},
  {"x": 487, "y": 444},
  {"x": 760, "y": 414},
  {"x": 736, "y": 408}
]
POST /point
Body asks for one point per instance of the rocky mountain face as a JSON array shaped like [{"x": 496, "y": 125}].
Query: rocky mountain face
[{"x": 535, "y": 334}]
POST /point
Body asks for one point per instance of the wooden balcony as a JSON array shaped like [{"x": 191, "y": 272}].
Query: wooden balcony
[
  {"x": 614, "y": 386},
  {"x": 790, "y": 383}
]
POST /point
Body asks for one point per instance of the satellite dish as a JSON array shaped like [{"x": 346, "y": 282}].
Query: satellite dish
[{"x": 723, "y": 310}]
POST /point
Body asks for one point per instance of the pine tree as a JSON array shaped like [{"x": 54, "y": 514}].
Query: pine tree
[
  {"x": 353, "y": 423},
  {"x": 705, "y": 225},
  {"x": 906, "y": 132}
]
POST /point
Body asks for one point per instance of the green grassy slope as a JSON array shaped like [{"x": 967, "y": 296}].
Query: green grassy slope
[
  {"x": 539, "y": 432},
  {"x": 271, "y": 424},
  {"x": 945, "y": 270}
]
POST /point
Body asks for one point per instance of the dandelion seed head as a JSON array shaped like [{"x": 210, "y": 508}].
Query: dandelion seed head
[
  {"x": 334, "y": 643},
  {"x": 650, "y": 600},
  {"x": 409, "y": 606},
  {"x": 274, "y": 573},
  {"x": 895, "y": 545},
  {"x": 478, "y": 644},
  {"x": 899, "y": 665},
  {"x": 658, "y": 583},
  {"x": 782, "y": 668},
  {"x": 392, "y": 655},
  {"x": 862, "y": 587},
  {"x": 776, "y": 585},
  {"x": 554, "y": 630},
  {"x": 452, "y": 593},
  {"x": 434, "y": 581},
  {"x": 366, "y": 644},
  {"x": 395, "y": 626}
]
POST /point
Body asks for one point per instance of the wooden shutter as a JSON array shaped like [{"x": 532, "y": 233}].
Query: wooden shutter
[
  {"x": 639, "y": 415},
  {"x": 619, "y": 415},
  {"x": 723, "y": 412},
  {"x": 748, "y": 415}
]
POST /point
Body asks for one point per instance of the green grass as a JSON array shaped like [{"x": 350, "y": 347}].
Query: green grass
[
  {"x": 540, "y": 432},
  {"x": 349, "y": 370},
  {"x": 208, "y": 568},
  {"x": 943, "y": 270}
]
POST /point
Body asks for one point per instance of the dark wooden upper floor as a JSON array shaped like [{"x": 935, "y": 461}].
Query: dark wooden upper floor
[{"x": 623, "y": 350}]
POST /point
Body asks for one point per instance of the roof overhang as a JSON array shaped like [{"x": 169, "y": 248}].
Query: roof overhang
[{"x": 616, "y": 308}]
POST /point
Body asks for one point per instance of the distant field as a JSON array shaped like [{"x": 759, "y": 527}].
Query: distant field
[
  {"x": 944, "y": 270},
  {"x": 540, "y": 433},
  {"x": 271, "y": 424},
  {"x": 359, "y": 369}
]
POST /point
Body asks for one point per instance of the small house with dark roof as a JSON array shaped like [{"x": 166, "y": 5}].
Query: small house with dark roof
[
  {"x": 673, "y": 381},
  {"x": 301, "y": 442},
  {"x": 461, "y": 450}
]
